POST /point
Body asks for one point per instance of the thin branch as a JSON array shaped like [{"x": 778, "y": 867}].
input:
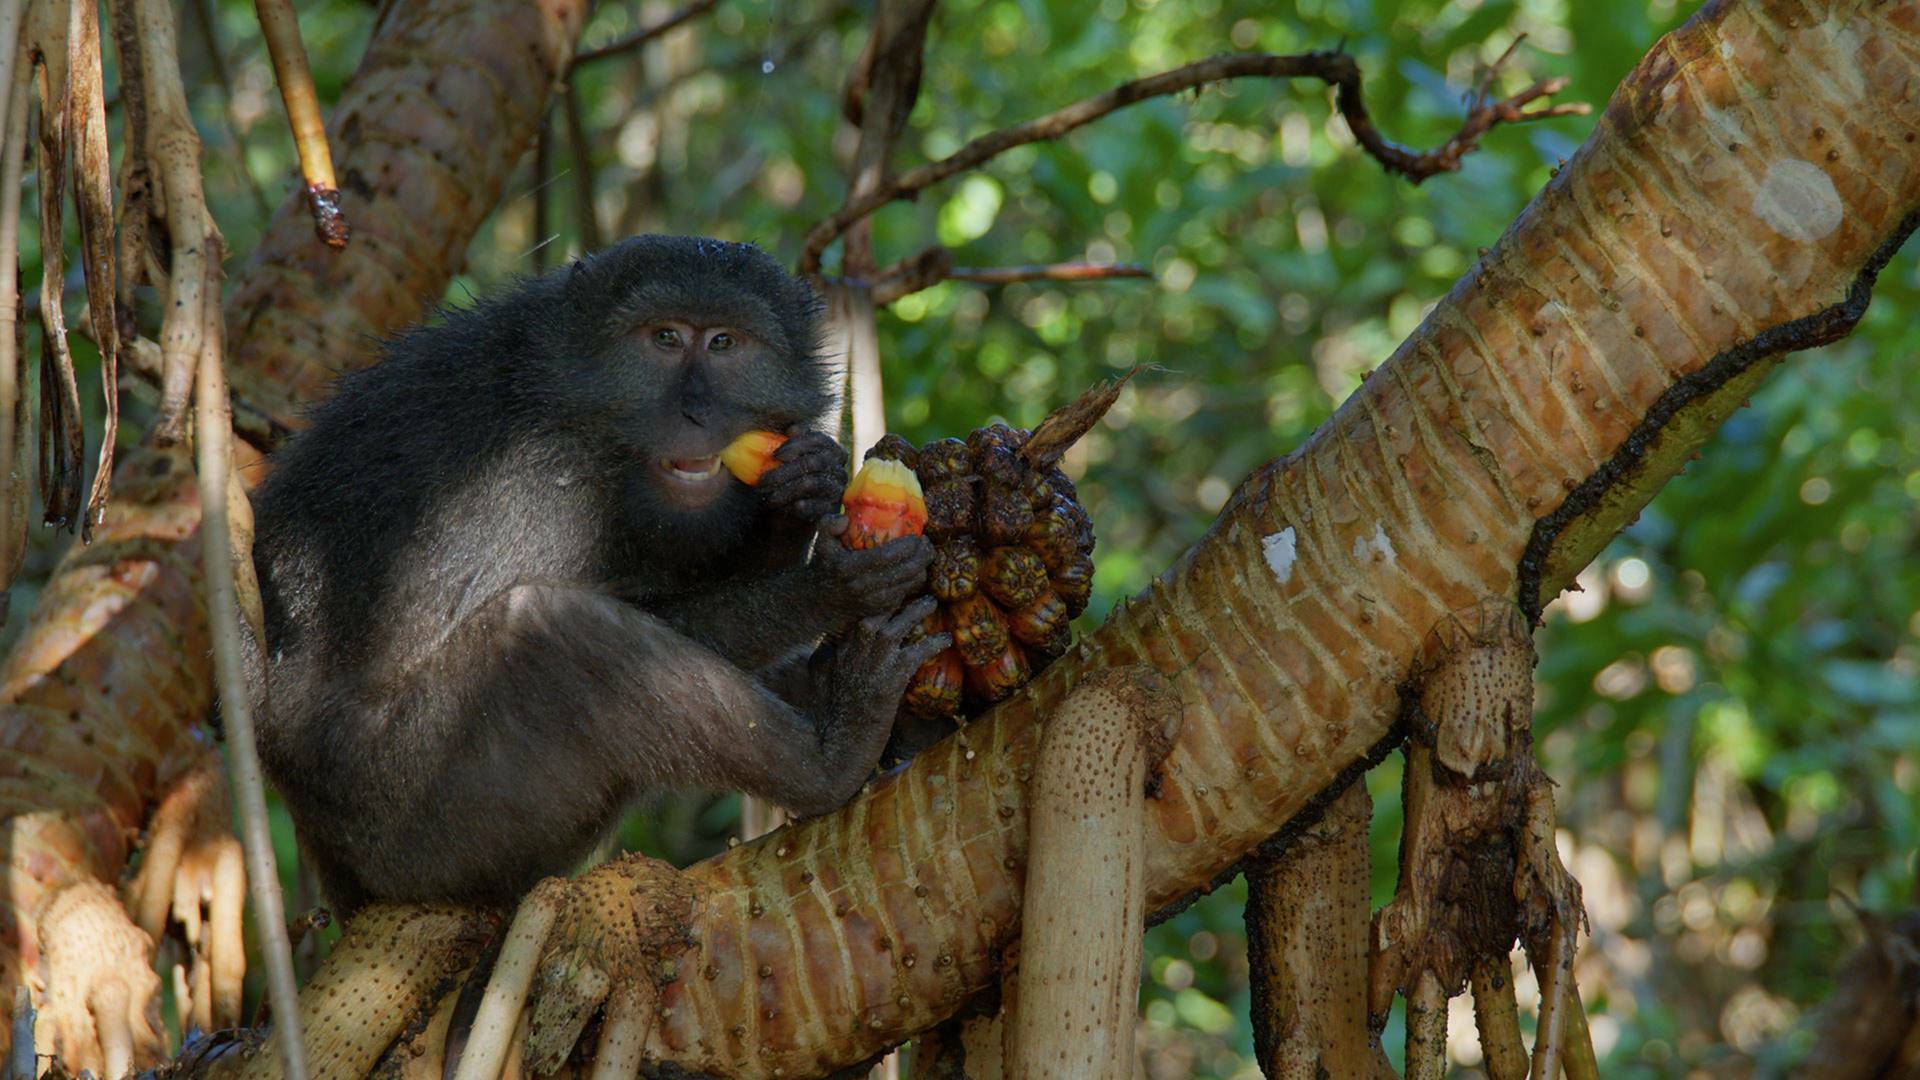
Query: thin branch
[
  {"x": 888, "y": 80},
  {"x": 61, "y": 438},
  {"x": 542, "y": 176},
  {"x": 582, "y": 169},
  {"x": 1336, "y": 69},
  {"x": 646, "y": 33},
  {"x": 210, "y": 41},
  {"x": 282, "y": 30},
  {"x": 935, "y": 265},
  {"x": 1064, "y": 271},
  {"x": 226, "y": 548},
  {"x": 145, "y": 361},
  {"x": 93, "y": 205},
  {"x": 16, "y": 424}
]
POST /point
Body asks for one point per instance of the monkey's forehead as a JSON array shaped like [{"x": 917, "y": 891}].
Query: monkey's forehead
[
  {"x": 701, "y": 303},
  {"x": 696, "y": 279}
]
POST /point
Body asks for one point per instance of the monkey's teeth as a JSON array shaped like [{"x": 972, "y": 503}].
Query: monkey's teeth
[{"x": 702, "y": 468}]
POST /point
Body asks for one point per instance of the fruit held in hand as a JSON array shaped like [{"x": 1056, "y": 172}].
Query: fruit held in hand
[
  {"x": 883, "y": 503},
  {"x": 750, "y": 456},
  {"x": 1013, "y": 553}
]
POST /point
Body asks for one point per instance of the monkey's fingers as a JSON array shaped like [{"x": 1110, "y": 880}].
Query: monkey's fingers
[
  {"x": 909, "y": 618},
  {"x": 796, "y": 491},
  {"x": 927, "y": 648},
  {"x": 798, "y": 455},
  {"x": 883, "y": 591},
  {"x": 807, "y": 441}
]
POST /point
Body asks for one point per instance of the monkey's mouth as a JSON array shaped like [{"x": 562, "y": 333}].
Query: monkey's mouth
[
  {"x": 693, "y": 482},
  {"x": 692, "y": 470}
]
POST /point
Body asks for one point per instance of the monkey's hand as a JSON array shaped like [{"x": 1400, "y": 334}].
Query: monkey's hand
[
  {"x": 876, "y": 581},
  {"x": 862, "y": 677},
  {"x": 809, "y": 478}
]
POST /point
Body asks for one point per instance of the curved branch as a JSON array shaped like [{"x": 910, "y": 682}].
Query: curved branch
[
  {"x": 1338, "y": 69},
  {"x": 646, "y": 33}
]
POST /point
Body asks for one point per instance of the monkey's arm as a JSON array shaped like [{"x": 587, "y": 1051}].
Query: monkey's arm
[
  {"x": 757, "y": 620},
  {"x": 679, "y": 714}
]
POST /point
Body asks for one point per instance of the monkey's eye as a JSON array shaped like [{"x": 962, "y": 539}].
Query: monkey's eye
[
  {"x": 720, "y": 342},
  {"x": 666, "y": 339}
]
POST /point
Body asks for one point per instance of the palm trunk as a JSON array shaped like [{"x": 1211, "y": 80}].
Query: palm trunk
[{"x": 110, "y": 678}]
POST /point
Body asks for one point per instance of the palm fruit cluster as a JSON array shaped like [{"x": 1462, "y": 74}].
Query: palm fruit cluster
[{"x": 1013, "y": 554}]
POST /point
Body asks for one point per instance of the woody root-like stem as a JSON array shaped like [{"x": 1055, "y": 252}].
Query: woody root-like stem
[{"x": 1478, "y": 867}]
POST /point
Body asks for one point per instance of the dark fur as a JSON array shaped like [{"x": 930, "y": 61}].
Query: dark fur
[{"x": 489, "y": 628}]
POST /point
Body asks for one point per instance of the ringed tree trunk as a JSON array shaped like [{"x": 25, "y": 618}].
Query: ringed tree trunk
[
  {"x": 100, "y": 697},
  {"x": 1738, "y": 196}
]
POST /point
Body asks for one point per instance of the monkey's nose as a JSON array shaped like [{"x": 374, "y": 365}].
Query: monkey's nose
[{"x": 696, "y": 419}]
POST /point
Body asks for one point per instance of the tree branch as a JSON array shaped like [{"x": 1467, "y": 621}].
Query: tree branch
[
  {"x": 935, "y": 265},
  {"x": 1337, "y": 69},
  {"x": 646, "y": 33},
  {"x": 281, "y": 27}
]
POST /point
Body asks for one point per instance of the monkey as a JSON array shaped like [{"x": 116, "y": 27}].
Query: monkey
[{"x": 509, "y": 590}]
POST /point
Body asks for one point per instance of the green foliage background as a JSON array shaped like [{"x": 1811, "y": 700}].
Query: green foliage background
[{"x": 1730, "y": 707}]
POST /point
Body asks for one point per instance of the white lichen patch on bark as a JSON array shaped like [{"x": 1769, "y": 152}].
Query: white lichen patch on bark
[
  {"x": 1797, "y": 200},
  {"x": 1375, "y": 548},
  {"x": 1281, "y": 550}
]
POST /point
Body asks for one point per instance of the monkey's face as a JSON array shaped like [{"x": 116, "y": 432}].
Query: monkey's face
[
  {"x": 682, "y": 344},
  {"x": 698, "y": 423}
]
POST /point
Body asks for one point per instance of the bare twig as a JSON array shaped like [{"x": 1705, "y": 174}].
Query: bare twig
[
  {"x": 646, "y": 33},
  {"x": 61, "y": 439},
  {"x": 226, "y": 528},
  {"x": 173, "y": 145},
  {"x": 542, "y": 176},
  {"x": 282, "y": 30},
  {"x": 1336, "y": 69},
  {"x": 935, "y": 265},
  {"x": 21, "y": 1062},
  {"x": 15, "y": 424},
  {"x": 889, "y": 83},
  {"x": 93, "y": 201},
  {"x": 217, "y": 60},
  {"x": 582, "y": 169},
  {"x": 136, "y": 220}
]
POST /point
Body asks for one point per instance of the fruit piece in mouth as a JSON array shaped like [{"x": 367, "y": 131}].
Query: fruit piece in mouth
[{"x": 751, "y": 455}]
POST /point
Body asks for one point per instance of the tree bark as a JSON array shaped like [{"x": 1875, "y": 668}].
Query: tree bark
[
  {"x": 103, "y": 692},
  {"x": 1735, "y": 201}
]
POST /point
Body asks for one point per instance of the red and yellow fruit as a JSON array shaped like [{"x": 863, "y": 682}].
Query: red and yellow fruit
[{"x": 883, "y": 503}]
